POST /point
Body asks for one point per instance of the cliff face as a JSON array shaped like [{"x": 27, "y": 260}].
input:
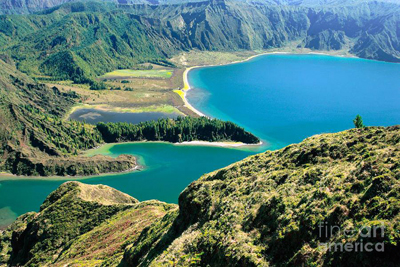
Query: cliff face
[{"x": 275, "y": 208}]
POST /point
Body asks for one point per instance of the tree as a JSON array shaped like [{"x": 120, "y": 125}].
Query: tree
[{"x": 358, "y": 122}]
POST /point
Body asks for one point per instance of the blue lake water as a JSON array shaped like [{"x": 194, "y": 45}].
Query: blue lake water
[
  {"x": 281, "y": 98},
  {"x": 286, "y": 98}
]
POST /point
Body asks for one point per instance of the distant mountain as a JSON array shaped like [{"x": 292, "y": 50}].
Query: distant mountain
[
  {"x": 31, "y": 6},
  {"x": 83, "y": 39}
]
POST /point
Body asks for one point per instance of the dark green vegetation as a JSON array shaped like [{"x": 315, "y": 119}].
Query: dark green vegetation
[
  {"x": 358, "y": 122},
  {"x": 263, "y": 211},
  {"x": 183, "y": 129},
  {"x": 75, "y": 215},
  {"x": 79, "y": 41},
  {"x": 35, "y": 140}
]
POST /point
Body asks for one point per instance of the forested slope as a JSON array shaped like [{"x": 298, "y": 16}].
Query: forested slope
[
  {"x": 82, "y": 40},
  {"x": 35, "y": 140},
  {"x": 183, "y": 129}
]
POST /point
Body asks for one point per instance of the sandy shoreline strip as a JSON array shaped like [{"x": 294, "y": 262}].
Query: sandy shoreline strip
[
  {"x": 186, "y": 143},
  {"x": 5, "y": 176},
  {"x": 219, "y": 144},
  {"x": 186, "y": 85}
]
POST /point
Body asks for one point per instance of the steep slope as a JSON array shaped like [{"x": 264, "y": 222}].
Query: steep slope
[
  {"x": 274, "y": 208},
  {"x": 35, "y": 140},
  {"x": 77, "y": 41},
  {"x": 31, "y": 6},
  {"x": 81, "y": 40},
  {"x": 281, "y": 208},
  {"x": 76, "y": 219},
  {"x": 366, "y": 29}
]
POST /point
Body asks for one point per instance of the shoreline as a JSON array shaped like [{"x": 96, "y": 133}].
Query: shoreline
[
  {"x": 5, "y": 176},
  {"x": 217, "y": 144},
  {"x": 186, "y": 84},
  {"x": 186, "y": 143},
  {"x": 165, "y": 108}
]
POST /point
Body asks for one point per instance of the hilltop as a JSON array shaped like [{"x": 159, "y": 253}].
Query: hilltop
[
  {"x": 79, "y": 217},
  {"x": 266, "y": 210}
]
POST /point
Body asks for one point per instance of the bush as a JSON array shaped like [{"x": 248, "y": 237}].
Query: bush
[{"x": 97, "y": 85}]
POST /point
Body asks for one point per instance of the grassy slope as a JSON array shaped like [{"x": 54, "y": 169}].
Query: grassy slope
[
  {"x": 264, "y": 210},
  {"x": 164, "y": 74},
  {"x": 79, "y": 224}
]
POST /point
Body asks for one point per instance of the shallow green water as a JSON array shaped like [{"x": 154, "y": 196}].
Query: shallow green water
[
  {"x": 168, "y": 170},
  {"x": 281, "y": 98}
]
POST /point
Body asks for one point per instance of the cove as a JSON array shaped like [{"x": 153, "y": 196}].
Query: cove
[
  {"x": 281, "y": 98},
  {"x": 168, "y": 169}
]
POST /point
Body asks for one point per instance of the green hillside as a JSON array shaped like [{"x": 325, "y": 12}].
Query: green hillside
[
  {"x": 79, "y": 217},
  {"x": 36, "y": 140},
  {"x": 81, "y": 40},
  {"x": 266, "y": 210}
]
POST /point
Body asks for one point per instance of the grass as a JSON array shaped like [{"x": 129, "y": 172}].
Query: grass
[
  {"x": 163, "y": 74},
  {"x": 154, "y": 108},
  {"x": 106, "y": 244}
]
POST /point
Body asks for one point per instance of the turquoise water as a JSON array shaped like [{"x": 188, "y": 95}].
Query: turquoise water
[
  {"x": 281, "y": 98},
  {"x": 168, "y": 170},
  {"x": 286, "y": 98}
]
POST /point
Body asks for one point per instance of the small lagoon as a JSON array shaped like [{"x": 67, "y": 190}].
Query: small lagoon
[{"x": 94, "y": 116}]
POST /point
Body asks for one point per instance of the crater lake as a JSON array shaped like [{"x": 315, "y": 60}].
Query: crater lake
[{"x": 280, "y": 98}]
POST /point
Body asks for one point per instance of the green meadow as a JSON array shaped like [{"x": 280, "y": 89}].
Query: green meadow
[{"x": 164, "y": 74}]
